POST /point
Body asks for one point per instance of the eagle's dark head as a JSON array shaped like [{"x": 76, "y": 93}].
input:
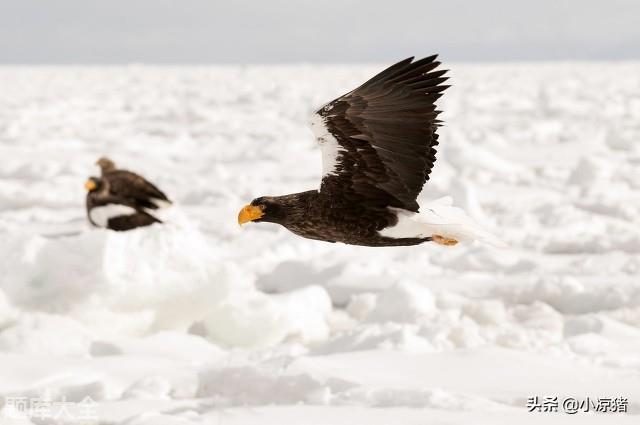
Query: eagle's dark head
[
  {"x": 94, "y": 184},
  {"x": 105, "y": 164},
  {"x": 264, "y": 208}
]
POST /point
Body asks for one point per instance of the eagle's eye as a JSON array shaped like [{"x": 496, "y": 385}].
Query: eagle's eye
[{"x": 260, "y": 203}]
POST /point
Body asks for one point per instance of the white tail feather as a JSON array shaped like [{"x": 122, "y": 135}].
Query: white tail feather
[{"x": 440, "y": 217}]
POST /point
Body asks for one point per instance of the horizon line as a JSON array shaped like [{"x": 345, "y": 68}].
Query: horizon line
[{"x": 320, "y": 63}]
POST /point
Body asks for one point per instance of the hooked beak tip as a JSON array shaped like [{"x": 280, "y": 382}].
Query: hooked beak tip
[{"x": 249, "y": 213}]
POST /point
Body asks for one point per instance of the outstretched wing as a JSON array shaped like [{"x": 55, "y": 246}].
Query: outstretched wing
[
  {"x": 129, "y": 185},
  {"x": 378, "y": 141}
]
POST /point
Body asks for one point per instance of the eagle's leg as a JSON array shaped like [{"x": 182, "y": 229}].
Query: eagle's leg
[{"x": 442, "y": 240}]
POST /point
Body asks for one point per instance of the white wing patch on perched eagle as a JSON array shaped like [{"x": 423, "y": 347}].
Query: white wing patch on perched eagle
[
  {"x": 329, "y": 145},
  {"x": 101, "y": 215},
  {"x": 160, "y": 203}
]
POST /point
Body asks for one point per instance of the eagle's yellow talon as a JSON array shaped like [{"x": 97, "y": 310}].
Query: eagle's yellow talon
[{"x": 444, "y": 241}]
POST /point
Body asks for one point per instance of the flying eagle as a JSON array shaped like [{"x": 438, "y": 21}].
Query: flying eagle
[
  {"x": 378, "y": 147},
  {"x": 122, "y": 200}
]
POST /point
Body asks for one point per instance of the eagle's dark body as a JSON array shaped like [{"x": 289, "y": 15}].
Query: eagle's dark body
[
  {"x": 314, "y": 215},
  {"x": 137, "y": 218},
  {"x": 129, "y": 185},
  {"x": 379, "y": 145}
]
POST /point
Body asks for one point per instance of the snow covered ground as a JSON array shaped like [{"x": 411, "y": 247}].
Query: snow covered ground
[{"x": 202, "y": 322}]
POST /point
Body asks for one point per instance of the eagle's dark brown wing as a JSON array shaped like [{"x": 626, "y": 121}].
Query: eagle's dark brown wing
[
  {"x": 129, "y": 222},
  {"x": 378, "y": 141},
  {"x": 130, "y": 185},
  {"x": 116, "y": 213}
]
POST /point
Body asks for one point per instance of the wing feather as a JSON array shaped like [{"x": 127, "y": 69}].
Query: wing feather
[
  {"x": 129, "y": 185},
  {"x": 378, "y": 141}
]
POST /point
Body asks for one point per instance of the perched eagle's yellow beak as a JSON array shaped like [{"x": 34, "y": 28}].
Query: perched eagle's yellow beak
[
  {"x": 249, "y": 213},
  {"x": 90, "y": 185}
]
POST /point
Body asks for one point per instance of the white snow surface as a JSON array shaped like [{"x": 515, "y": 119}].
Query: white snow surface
[{"x": 199, "y": 321}]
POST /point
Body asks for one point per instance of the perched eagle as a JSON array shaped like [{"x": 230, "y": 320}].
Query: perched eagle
[
  {"x": 122, "y": 200},
  {"x": 127, "y": 184},
  {"x": 378, "y": 147}
]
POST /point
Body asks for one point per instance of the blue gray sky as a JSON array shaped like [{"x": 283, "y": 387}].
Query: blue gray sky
[{"x": 285, "y": 31}]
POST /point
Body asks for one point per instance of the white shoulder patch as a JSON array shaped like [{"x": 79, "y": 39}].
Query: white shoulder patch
[
  {"x": 328, "y": 144},
  {"x": 101, "y": 215}
]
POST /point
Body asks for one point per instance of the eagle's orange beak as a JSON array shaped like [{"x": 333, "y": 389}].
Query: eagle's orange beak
[
  {"x": 90, "y": 185},
  {"x": 249, "y": 213}
]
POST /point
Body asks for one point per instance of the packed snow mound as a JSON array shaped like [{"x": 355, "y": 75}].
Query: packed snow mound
[
  {"x": 148, "y": 279},
  {"x": 257, "y": 319},
  {"x": 404, "y": 302},
  {"x": 167, "y": 274},
  {"x": 37, "y": 333}
]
